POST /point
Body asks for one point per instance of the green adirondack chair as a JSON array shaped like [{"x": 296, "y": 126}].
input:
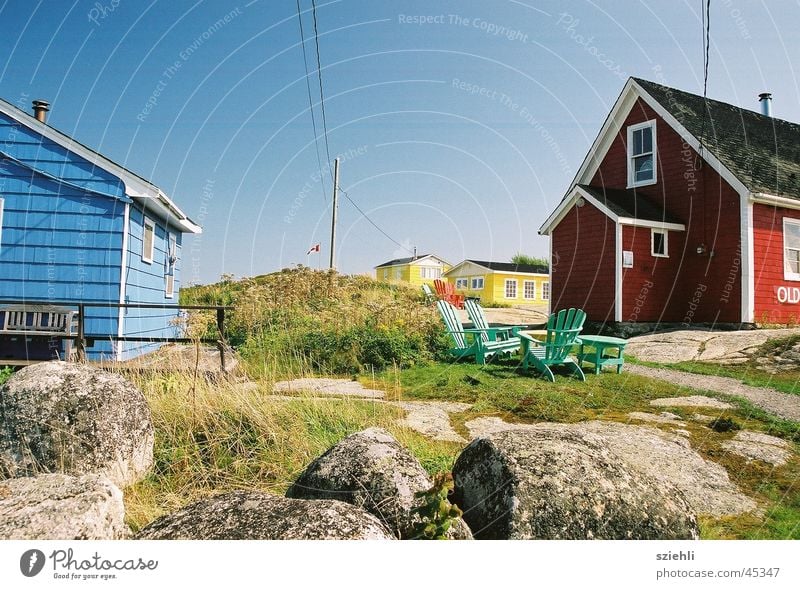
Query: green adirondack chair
[
  {"x": 563, "y": 329},
  {"x": 430, "y": 297},
  {"x": 476, "y": 315},
  {"x": 471, "y": 342}
]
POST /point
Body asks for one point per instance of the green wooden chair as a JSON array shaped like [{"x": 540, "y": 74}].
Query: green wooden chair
[
  {"x": 478, "y": 343},
  {"x": 430, "y": 297},
  {"x": 476, "y": 315},
  {"x": 563, "y": 329}
]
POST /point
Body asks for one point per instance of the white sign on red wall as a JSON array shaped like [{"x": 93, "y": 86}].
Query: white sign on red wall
[{"x": 787, "y": 295}]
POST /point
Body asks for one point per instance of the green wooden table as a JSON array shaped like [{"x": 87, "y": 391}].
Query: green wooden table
[{"x": 599, "y": 355}]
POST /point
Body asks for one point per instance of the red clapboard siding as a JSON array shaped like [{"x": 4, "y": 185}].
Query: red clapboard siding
[
  {"x": 768, "y": 265},
  {"x": 582, "y": 271},
  {"x": 687, "y": 287}
]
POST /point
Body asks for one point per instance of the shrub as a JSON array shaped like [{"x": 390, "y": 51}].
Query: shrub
[{"x": 301, "y": 319}]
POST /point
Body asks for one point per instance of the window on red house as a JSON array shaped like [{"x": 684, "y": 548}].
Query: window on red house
[{"x": 642, "y": 154}]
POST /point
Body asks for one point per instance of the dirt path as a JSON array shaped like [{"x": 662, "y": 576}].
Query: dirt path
[{"x": 781, "y": 404}]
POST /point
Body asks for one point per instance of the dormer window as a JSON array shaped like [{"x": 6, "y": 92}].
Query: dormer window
[{"x": 642, "y": 154}]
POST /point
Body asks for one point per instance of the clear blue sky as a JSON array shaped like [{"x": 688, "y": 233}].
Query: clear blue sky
[{"x": 459, "y": 131}]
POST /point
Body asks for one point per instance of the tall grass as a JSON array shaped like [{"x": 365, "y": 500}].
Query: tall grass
[
  {"x": 300, "y": 321},
  {"x": 212, "y": 438}
]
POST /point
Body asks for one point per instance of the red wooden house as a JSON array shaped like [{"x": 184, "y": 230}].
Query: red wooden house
[{"x": 684, "y": 211}]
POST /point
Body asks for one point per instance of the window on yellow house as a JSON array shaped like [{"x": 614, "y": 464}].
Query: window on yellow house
[
  {"x": 511, "y": 288},
  {"x": 477, "y": 283},
  {"x": 461, "y": 283},
  {"x": 430, "y": 272},
  {"x": 529, "y": 289},
  {"x": 545, "y": 291}
]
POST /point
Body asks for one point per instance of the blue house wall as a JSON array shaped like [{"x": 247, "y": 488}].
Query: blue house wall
[
  {"x": 146, "y": 283},
  {"x": 62, "y": 238}
]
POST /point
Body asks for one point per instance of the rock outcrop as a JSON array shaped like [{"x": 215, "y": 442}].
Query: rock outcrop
[
  {"x": 61, "y": 507},
  {"x": 563, "y": 484},
  {"x": 243, "y": 515},
  {"x": 74, "y": 419},
  {"x": 371, "y": 470}
]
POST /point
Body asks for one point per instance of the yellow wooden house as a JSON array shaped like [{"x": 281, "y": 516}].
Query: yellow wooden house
[
  {"x": 501, "y": 282},
  {"x": 416, "y": 270}
]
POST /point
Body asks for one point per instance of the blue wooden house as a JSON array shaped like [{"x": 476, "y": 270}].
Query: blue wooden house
[{"x": 77, "y": 227}]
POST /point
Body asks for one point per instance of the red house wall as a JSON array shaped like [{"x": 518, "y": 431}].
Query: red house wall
[
  {"x": 687, "y": 287},
  {"x": 582, "y": 263},
  {"x": 768, "y": 266}
]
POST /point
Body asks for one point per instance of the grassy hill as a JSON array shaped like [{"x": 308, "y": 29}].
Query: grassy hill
[{"x": 300, "y": 320}]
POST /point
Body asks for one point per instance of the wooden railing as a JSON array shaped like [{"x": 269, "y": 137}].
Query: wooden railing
[{"x": 71, "y": 319}]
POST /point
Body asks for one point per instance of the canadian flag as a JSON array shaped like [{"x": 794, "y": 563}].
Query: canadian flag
[{"x": 313, "y": 249}]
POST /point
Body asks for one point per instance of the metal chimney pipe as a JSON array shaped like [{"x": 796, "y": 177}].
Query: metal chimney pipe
[
  {"x": 40, "y": 108},
  {"x": 765, "y": 99}
]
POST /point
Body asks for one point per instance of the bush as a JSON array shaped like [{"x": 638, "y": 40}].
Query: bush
[{"x": 303, "y": 320}]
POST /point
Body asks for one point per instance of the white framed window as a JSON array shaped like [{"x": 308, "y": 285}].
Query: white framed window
[
  {"x": 477, "y": 283},
  {"x": 386, "y": 274},
  {"x": 545, "y": 291},
  {"x": 148, "y": 240},
  {"x": 430, "y": 272},
  {"x": 511, "y": 288},
  {"x": 462, "y": 283},
  {"x": 169, "y": 265},
  {"x": 642, "y": 154},
  {"x": 529, "y": 289},
  {"x": 791, "y": 249},
  {"x": 398, "y": 273},
  {"x": 658, "y": 243}
]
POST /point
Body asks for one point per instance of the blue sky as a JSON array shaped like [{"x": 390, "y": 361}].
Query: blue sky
[{"x": 460, "y": 124}]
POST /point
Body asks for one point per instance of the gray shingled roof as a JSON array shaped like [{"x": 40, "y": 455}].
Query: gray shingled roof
[
  {"x": 400, "y": 261},
  {"x": 629, "y": 203},
  {"x": 763, "y": 152},
  {"x": 511, "y": 267}
]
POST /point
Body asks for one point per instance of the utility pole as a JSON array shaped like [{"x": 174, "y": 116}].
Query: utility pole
[{"x": 335, "y": 210}]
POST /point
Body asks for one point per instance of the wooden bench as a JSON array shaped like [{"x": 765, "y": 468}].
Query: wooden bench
[{"x": 27, "y": 330}]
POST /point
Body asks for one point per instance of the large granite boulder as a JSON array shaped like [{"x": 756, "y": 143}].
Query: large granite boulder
[
  {"x": 563, "y": 484},
  {"x": 371, "y": 470},
  {"x": 61, "y": 507},
  {"x": 244, "y": 515},
  {"x": 74, "y": 419}
]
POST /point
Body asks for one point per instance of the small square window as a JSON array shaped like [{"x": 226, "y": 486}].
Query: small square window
[
  {"x": 462, "y": 283},
  {"x": 658, "y": 243},
  {"x": 529, "y": 289},
  {"x": 511, "y": 288},
  {"x": 477, "y": 283},
  {"x": 148, "y": 241}
]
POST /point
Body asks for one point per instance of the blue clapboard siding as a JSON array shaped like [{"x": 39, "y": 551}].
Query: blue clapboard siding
[
  {"x": 146, "y": 283},
  {"x": 62, "y": 239},
  {"x": 61, "y": 245}
]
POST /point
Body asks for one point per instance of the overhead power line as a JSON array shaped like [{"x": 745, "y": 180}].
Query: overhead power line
[
  {"x": 311, "y": 103},
  {"x": 321, "y": 93},
  {"x": 373, "y": 223}
]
